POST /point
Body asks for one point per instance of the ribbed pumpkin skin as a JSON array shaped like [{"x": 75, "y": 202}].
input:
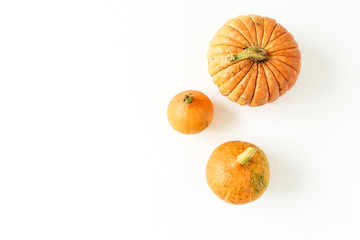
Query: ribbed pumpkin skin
[
  {"x": 235, "y": 183},
  {"x": 249, "y": 82},
  {"x": 190, "y": 118}
]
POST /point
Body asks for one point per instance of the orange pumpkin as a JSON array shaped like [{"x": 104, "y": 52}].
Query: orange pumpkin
[
  {"x": 190, "y": 112},
  {"x": 238, "y": 172},
  {"x": 253, "y": 60}
]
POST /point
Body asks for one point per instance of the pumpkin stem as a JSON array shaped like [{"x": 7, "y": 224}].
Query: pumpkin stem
[
  {"x": 188, "y": 98},
  {"x": 254, "y": 53},
  {"x": 245, "y": 156}
]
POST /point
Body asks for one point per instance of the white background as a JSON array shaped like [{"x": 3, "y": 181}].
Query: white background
[{"x": 86, "y": 151}]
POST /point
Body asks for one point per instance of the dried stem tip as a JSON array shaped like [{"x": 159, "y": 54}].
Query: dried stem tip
[{"x": 188, "y": 98}]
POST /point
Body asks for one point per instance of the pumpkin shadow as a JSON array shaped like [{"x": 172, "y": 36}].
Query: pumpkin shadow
[
  {"x": 283, "y": 177},
  {"x": 223, "y": 117}
]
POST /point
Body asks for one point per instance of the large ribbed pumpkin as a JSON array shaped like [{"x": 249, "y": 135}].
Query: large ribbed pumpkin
[{"x": 253, "y": 60}]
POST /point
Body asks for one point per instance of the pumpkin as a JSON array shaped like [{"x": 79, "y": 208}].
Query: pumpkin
[
  {"x": 238, "y": 172},
  {"x": 253, "y": 60},
  {"x": 190, "y": 112}
]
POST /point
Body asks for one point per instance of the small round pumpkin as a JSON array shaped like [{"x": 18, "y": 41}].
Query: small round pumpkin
[
  {"x": 238, "y": 172},
  {"x": 190, "y": 112},
  {"x": 253, "y": 60}
]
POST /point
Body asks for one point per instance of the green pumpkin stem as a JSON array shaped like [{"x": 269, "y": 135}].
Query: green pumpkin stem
[
  {"x": 188, "y": 98},
  {"x": 254, "y": 53},
  {"x": 245, "y": 156}
]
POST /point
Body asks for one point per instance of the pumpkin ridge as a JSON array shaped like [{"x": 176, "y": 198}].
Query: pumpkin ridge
[
  {"x": 257, "y": 44},
  {"x": 230, "y": 81},
  {"x": 263, "y": 44},
  {"x": 292, "y": 53},
  {"x": 286, "y": 82},
  {"x": 240, "y": 33},
  {"x": 266, "y": 80},
  {"x": 278, "y": 28},
  {"x": 283, "y": 63},
  {"x": 284, "y": 45},
  {"x": 271, "y": 52},
  {"x": 270, "y": 35},
  {"x": 270, "y": 56},
  {"x": 252, "y": 77},
  {"x": 254, "y": 41},
  {"x": 227, "y": 66},
  {"x": 278, "y": 86},
  {"x": 257, "y": 75},
  {"x": 237, "y": 19},
  {"x": 250, "y": 74},
  {"x": 289, "y": 40},
  {"x": 272, "y": 98},
  {"x": 221, "y": 69},
  {"x": 239, "y": 80},
  {"x": 275, "y": 39},
  {"x": 220, "y": 35},
  {"x": 256, "y": 19},
  {"x": 258, "y": 101},
  {"x": 234, "y": 30}
]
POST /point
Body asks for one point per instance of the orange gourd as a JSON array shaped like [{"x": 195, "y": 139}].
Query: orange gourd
[
  {"x": 190, "y": 112},
  {"x": 253, "y": 60},
  {"x": 238, "y": 172}
]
